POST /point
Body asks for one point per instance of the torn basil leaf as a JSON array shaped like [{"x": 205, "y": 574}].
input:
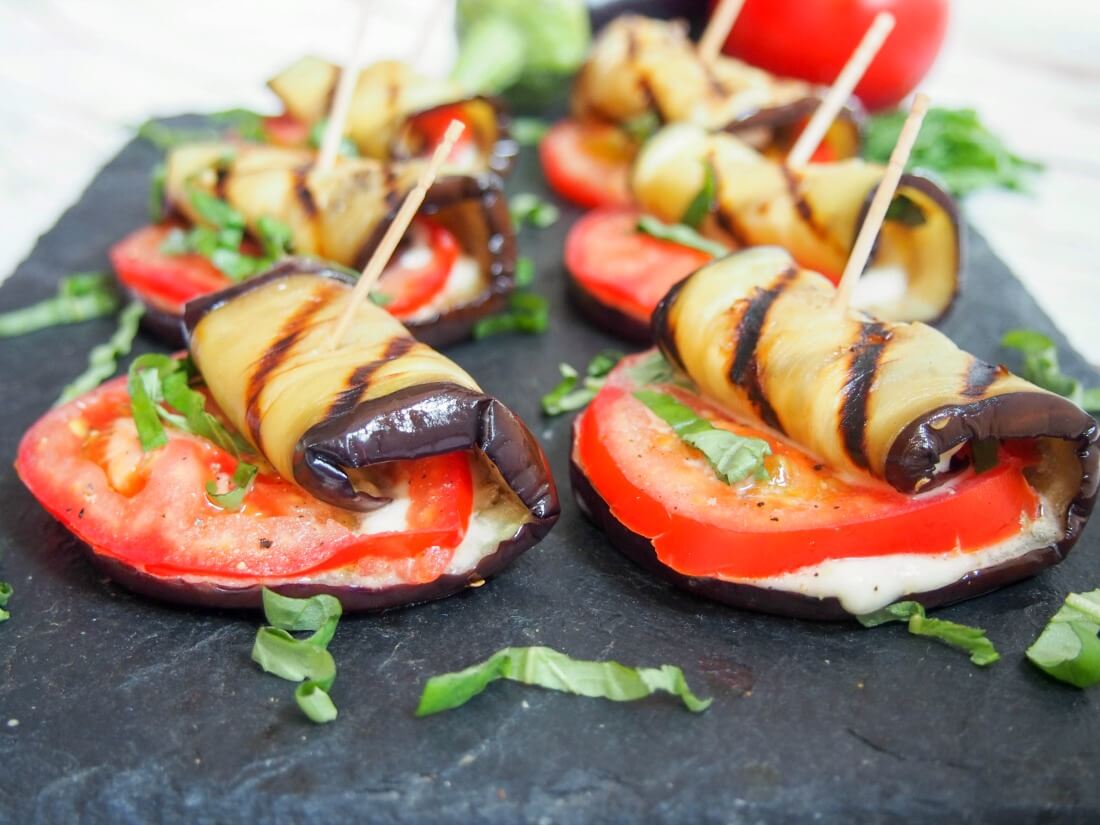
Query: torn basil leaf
[
  {"x": 347, "y": 147},
  {"x": 681, "y": 234},
  {"x": 275, "y": 237},
  {"x": 905, "y": 211},
  {"x": 703, "y": 201},
  {"x": 81, "y": 297},
  {"x": 247, "y": 124},
  {"x": 5, "y": 596},
  {"x": 527, "y": 313},
  {"x": 530, "y": 209},
  {"x": 528, "y": 131},
  {"x": 157, "y": 181},
  {"x": 241, "y": 484},
  {"x": 734, "y": 457},
  {"x": 295, "y": 660},
  {"x": 1041, "y": 367},
  {"x": 103, "y": 358},
  {"x": 548, "y": 668},
  {"x": 642, "y": 127},
  {"x": 309, "y": 614},
  {"x": 315, "y": 702},
  {"x": 1069, "y": 646},
  {"x": 970, "y": 639},
  {"x": 525, "y": 272},
  {"x": 568, "y": 396},
  {"x": 655, "y": 369}
]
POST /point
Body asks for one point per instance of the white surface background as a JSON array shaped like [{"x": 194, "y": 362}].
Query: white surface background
[{"x": 77, "y": 75}]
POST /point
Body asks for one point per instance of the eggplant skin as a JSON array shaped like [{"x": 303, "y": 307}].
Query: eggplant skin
[
  {"x": 608, "y": 318},
  {"x": 640, "y": 550},
  {"x": 190, "y": 593}
]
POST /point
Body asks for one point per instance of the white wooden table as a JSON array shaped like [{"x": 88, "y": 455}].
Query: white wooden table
[{"x": 78, "y": 75}]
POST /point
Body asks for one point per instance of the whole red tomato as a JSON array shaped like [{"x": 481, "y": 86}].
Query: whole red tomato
[{"x": 812, "y": 39}]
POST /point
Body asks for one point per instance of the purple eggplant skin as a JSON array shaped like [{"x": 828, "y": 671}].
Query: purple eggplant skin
[
  {"x": 606, "y": 317},
  {"x": 640, "y": 550},
  {"x": 789, "y": 116}
]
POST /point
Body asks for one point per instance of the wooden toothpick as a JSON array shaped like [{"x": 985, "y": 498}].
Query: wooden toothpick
[
  {"x": 341, "y": 101},
  {"x": 718, "y": 29},
  {"x": 876, "y": 212},
  {"x": 840, "y": 91},
  {"x": 397, "y": 228}
]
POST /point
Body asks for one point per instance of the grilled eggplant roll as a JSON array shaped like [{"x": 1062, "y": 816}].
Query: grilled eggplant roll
[
  {"x": 640, "y": 67},
  {"x": 896, "y": 466},
  {"x": 397, "y": 113},
  {"x": 815, "y": 214},
  {"x": 341, "y": 215}
]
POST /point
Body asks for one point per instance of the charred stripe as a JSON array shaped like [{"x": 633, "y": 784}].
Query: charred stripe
[
  {"x": 866, "y": 353},
  {"x": 303, "y": 192},
  {"x": 359, "y": 380},
  {"x": 979, "y": 378}
]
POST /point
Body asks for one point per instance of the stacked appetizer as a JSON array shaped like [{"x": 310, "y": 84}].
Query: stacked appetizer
[
  {"x": 785, "y": 455},
  {"x": 375, "y": 469}
]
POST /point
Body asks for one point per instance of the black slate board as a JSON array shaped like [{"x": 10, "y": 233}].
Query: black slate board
[{"x": 117, "y": 709}]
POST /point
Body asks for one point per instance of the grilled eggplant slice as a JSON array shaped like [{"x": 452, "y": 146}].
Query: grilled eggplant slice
[
  {"x": 390, "y": 103},
  {"x": 815, "y": 213},
  {"x": 341, "y": 216},
  {"x": 892, "y": 412},
  {"x": 640, "y": 67}
]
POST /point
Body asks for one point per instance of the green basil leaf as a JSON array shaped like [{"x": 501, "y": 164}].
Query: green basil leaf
[
  {"x": 247, "y": 124},
  {"x": 157, "y": 182},
  {"x": 525, "y": 272},
  {"x": 550, "y": 669},
  {"x": 733, "y": 457},
  {"x": 567, "y": 396},
  {"x": 703, "y": 201},
  {"x": 678, "y": 233},
  {"x": 654, "y": 369},
  {"x": 527, "y": 208},
  {"x": 103, "y": 358},
  {"x": 1040, "y": 366},
  {"x": 215, "y": 211},
  {"x": 236, "y": 265},
  {"x": 176, "y": 242},
  {"x": 144, "y": 384},
  {"x": 295, "y": 660},
  {"x": 315, "y": 702},
  {"x": 233, "y": 498},
  {"x": 81, "y": 297},
  {"x": 347, "y": 147},
  {"x": 528, "y": 131},
  {"x": 905, "y": 211},
  {"x": 309, "y": 614},
  {"x": 970, "y": 639},
  {"x": 167, "y": 137},
  {"x": 1068, "y": 649},
  {"x": 642, "y": 127},
  {"x": 275, "y": 237},
  {"x": 5, "y": 596},
  {"x": 527, "y": 313}
]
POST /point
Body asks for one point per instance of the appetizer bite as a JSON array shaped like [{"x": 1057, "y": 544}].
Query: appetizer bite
[
  {"x": 229, "y": 202},
  {"x": 376, "y": 470},
  {"x": 784, "y": 454},
  {"x": 642, "y": 73}
]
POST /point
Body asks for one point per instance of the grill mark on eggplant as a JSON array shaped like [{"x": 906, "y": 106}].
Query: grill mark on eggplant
[
  {"x": 745, "y": 370},
  {"x": 856, "y": 393},
  {"x": 360, "y": 378},
  {"x": 801, "y": 205},
  {"x": 303, "y": 192},
  {"x": 289, "y": 335},
  {"x": 980, "y": 377},
  {"x": 729, "y": 225}
]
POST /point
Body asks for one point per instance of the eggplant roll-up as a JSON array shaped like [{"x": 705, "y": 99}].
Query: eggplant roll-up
[
  {"x": 454, "y": 266},
  {"x": 641, "y": 68},
  {"x": 802, "y": 459},
  {"x": 815, "y": 213},
  {"x": 397, "y": 113}
]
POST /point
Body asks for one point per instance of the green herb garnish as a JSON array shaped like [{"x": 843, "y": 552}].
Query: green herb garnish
[
  {"x": 971, "y": 639},
  {"x": 703, "y": 201},
  {"x": 528, "y": 131},
  {"x": 347, "y": 146},
  {"x": 301, "y": 660},
  {"x": 528, "y": 208},
  {"x": 157, "y": 181},
  {"x": 655, "y": 369},
  {"x": 642, "y": 127},
  {"x": 5, "y": 596},
  {"x": 166, "y": 137},
  {"x": 247, "y": 124},
  {"x": 81, "y": 297},
  {"x": 681, "y": 234},
  {"x": 567, "y": 396},
  {"x": 527, "y": 313},
  {"x": 241, "y": 483},
  {"x": 955, "y": 146},
  {"x": 103, "y": 358},
  {"x": 547, "y": 668},
  {"x": 525, "y": 272},
  {"x": 1069, "y": 646},
  {"x": 733, "y": 457},
  {"x": 1041, "y": 367}
]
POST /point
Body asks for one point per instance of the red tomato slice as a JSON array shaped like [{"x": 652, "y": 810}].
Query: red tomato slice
[
  {"x": 588, "y": 163},
  {"x": 84, "y": 464},
  {"x": 419, "y": 272},
  {"x": 286, "y": 130},
  {"x": 624, "y": 268},
  {"x": 432, "y": 126},
  {"x": 661, "y": 488},
  {"x": 165, "y": 281}
]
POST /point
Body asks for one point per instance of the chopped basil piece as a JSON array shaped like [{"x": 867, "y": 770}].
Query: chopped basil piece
[
  {"x": 527, "y": 313},
  {"x": 970, "y": 639},
  {"x": 527, "y": 208},
  {"x": 5, "y": 596},
  {"x": 642, "y": 127},
  {"x": 166, "y": 137},
  {"x": 525, "y": 272},
  {"x": 954, "y": 145},
  {"x": 678, "y": 233},
  {"x": 655, "y": 369},
  {"x": 315, "y": 702},
  {"x": 347, "y": 147},
  {"x": 103, "y": 358},
  {"x": 550, "y": 669},
  {"x": 295, "y": 660},
  {"x": 1069, "y": 646},
  {"x": 247, "y": 124},
  {"x": 215, "y": 211},
  {"x": 157, "y": 182},
  {"x": 703, "y": 201},
  {"x": 1041, "y": 367},
  {"x": 528, "y": 131},
  {"x": 733, "y": 457},
  {"x": 567, "y": 396},
  {"x": 233, "y": 498},
  {"x": 310, "y": 614},
  {"x": 81, "y": 297},
  {"x": 275, "y": 237},
  {"x": 904, "y": 211}
]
